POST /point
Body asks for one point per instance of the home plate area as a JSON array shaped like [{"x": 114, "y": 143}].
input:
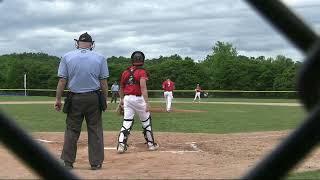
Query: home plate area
[{"x": 180, "y": 156}]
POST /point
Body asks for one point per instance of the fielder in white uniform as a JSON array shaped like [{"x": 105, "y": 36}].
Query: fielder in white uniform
[
  {"x": 168, "y": 87},
  {"x": 198, "y": 91}
]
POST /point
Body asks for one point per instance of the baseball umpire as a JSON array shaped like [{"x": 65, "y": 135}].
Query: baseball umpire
[
  {"x": 114, "y": 91},
  {"x": 86, "y": 73},
  {"x": 134, "y": 98}
]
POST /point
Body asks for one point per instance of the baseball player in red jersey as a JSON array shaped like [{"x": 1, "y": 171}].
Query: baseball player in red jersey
[
  {"x": 168, "y": 87},
  {"x": 198, "y": 91},
  {"x": 134, "y": 99}
]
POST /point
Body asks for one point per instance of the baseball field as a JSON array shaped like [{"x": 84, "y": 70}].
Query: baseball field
[{"x": 216, "y": 138}]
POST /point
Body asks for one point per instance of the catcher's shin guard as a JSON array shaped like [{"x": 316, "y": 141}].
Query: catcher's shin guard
[
  {"x": 147, "y": 131},
  {"x": 124, "y": 134}
]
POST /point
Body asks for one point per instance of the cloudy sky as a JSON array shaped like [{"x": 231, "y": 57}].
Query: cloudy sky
[{"x": 157, "y": 27}]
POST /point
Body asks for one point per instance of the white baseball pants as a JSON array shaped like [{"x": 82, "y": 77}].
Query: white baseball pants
[
  {"x": 197, "y": 95},
  {"x": 168, "y": 97},
  {"x": 135, "y": 104}
]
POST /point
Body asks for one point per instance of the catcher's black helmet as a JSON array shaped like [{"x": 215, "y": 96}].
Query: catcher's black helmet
[{"x": 137, "y": 58}]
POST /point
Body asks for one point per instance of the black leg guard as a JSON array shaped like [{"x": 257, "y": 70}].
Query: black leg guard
[
  {"x": 126, "y": 133},
  {"x": 147, "y": 131}
]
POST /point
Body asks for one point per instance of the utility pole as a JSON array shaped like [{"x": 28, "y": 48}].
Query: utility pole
[{"x": 25, "y": 84}]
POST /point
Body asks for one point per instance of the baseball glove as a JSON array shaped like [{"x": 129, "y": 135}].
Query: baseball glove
[{"x": 120, "y": 110}]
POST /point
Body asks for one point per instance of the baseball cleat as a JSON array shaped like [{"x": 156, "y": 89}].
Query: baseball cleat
[
  {"x": 121, "y": 148},
  {"x": 153, "y": 147},
  {"x": 96, "y": 167},
  {"x": 68, "y": 165}
]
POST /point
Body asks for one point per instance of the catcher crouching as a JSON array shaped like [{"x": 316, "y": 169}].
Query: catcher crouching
[{"x": 134, "y": 99}]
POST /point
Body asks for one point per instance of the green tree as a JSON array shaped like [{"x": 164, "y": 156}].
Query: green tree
[{"x": 221, "y": 66}]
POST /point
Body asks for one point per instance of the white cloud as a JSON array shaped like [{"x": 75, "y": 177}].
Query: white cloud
[
  {"x": 158, "y": 27},
  {"x": 301, "y": 3}
]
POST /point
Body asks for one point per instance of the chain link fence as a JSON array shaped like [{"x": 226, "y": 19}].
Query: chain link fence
[{"x": 274, "y": 166}]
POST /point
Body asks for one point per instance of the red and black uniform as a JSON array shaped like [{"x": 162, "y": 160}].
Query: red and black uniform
[
  {"x": 130, "y": 80},
  {"x": 133, "y": 102}
]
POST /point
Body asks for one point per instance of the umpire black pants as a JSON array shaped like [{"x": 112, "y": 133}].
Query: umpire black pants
[{"x": 84, "y": 106}]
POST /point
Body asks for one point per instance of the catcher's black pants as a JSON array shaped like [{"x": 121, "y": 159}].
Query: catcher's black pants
[{"x": 86, "y": 106}]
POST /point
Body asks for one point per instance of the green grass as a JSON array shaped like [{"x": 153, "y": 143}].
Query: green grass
[
  {"x": 232, "y": 100},
  {"x": 229, "y": 118},
  {"x": 46, "y": 98},
  {"x": 217, "y": 118},
  {"x": 26, "y": 98},
  {"x": 305, "y": 175}
]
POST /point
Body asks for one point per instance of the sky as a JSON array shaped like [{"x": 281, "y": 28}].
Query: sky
[{"x": 189, "y": 28}]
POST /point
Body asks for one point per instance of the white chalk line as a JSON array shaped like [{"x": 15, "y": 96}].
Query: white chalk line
[
  {"x": 193, "y": 145},
  {"x": 45, "y": 141},
  {"x": 110, "y": 148},
  {"x": 179, "y": 152}
]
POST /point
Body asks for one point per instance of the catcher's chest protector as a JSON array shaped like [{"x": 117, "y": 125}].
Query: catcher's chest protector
[{"x": 131, "y": 80}]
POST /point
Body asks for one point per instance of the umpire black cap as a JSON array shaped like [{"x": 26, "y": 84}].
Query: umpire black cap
[{"x": 85, "y": 37}]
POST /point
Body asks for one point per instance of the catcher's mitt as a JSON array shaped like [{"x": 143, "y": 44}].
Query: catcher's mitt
[{"x": 120, "y": 110}]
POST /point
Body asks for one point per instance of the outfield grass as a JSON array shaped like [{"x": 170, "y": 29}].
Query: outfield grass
[
  {"x": 232, "y": 100},
  {"x": 26, "y": 98},
  {"x": 46, "y": 98},
  {"x": 217, "y": 118},
  {"x": 305, "y": 175}
]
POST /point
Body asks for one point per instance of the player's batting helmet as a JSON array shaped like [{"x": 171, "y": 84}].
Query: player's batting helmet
[{"x": 137, "y": 58}]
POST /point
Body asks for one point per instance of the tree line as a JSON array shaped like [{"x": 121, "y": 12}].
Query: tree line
[{"x": 222, "y": 69}]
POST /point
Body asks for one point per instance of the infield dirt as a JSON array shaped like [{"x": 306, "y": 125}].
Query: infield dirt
[{"x": 180, "y": 156}]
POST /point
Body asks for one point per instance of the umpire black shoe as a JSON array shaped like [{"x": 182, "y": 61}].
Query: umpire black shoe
[
  {"x": 68, "y": 165},
  {"x": 96, "y": 167}
]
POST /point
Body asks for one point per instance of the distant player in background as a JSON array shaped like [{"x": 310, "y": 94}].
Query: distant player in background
[
  {"x": 114, "y": 91},
  {"x": 198, "y": 91},
  {"x": 168, "y": 87}
]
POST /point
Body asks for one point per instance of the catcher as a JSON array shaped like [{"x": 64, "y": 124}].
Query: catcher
[{"x": 134, "y": 99}]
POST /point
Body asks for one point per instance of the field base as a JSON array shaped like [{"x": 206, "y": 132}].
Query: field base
[{"x": 180, "y": 156}]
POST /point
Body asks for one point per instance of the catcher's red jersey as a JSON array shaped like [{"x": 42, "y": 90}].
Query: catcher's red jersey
[
  {"x": 168, "y": 85},
  {"x": 133, "y": 89}
]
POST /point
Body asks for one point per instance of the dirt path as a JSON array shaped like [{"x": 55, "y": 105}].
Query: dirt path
[{"x": 181, "y": 156}]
